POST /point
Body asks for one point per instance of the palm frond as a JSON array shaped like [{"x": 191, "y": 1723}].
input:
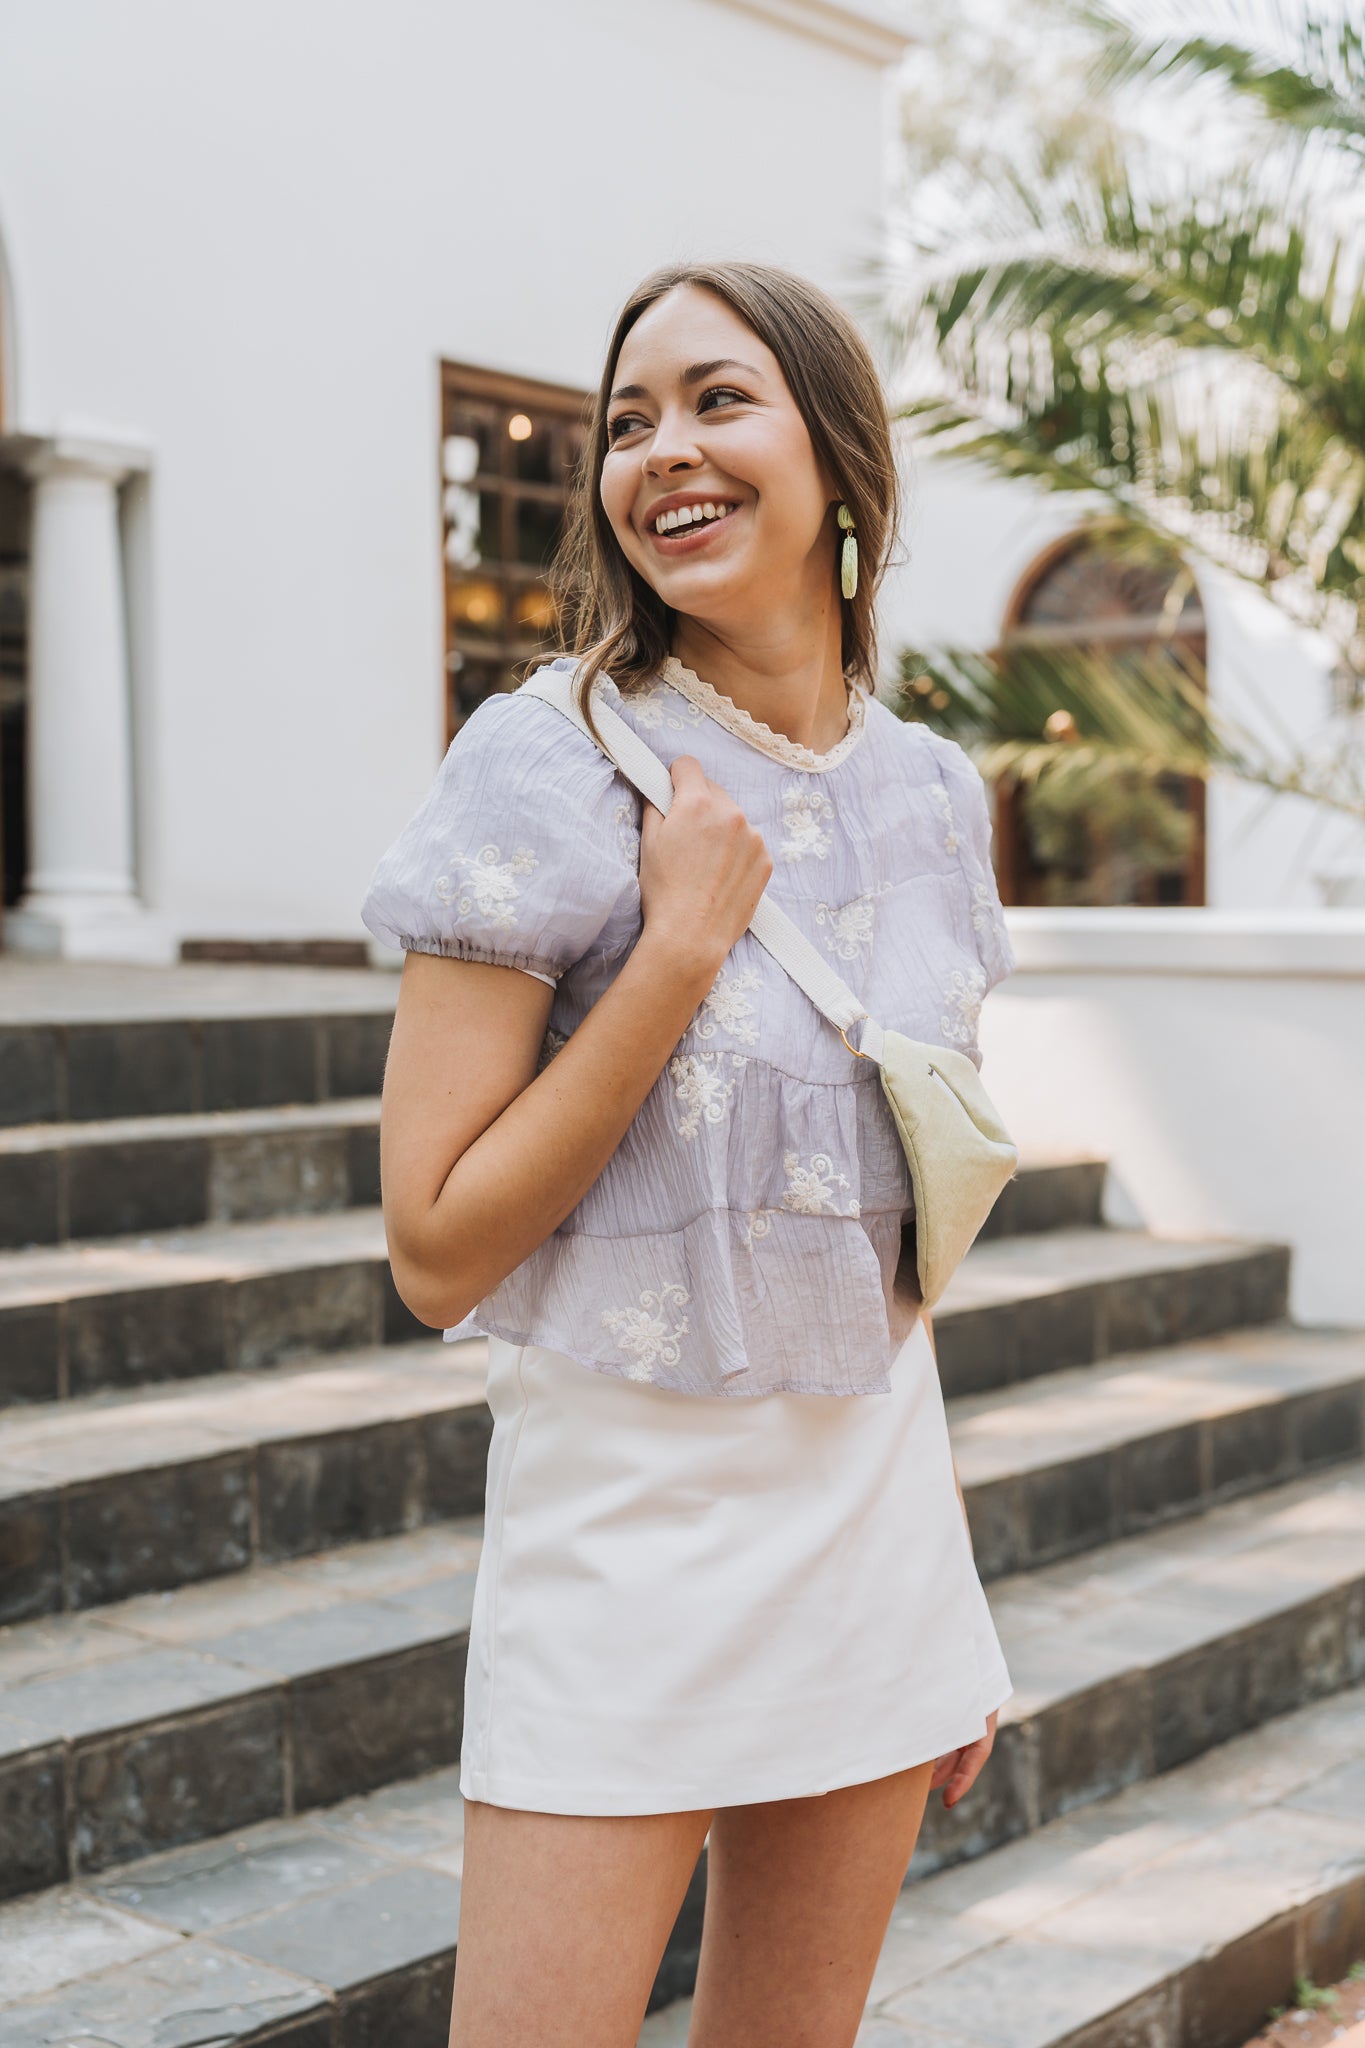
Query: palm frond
[
  {"x": 1025, "y": 713},
  {"x": 1200, "y": 365},
  {"x": 1305, "y": 70}
]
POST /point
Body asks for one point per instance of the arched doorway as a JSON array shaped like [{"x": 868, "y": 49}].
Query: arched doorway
[{"x": 1096, "y": 592}]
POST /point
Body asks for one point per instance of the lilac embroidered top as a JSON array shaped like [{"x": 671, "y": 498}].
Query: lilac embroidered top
[{"x": 744, "y": 1237}]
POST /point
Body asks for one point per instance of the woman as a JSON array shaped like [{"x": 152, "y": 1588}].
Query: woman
[{"x": 727, "y": 1583}]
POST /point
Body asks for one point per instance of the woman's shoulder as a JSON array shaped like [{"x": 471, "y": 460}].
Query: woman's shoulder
[
  {"x": 919, "y": 746},
  {"x": 519, "y": 732}
]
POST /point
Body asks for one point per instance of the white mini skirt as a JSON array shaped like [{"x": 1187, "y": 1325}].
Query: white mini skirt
[{"x": 688, "y": 1601}]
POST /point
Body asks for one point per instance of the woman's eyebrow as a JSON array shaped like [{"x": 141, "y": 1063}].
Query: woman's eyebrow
[{"x": 693, "y": 375}]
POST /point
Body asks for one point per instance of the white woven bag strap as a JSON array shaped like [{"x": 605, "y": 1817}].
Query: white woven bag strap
[{"x": 772, "y": 927}]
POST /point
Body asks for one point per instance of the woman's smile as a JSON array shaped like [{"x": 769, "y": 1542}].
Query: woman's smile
[{"x": 683, "y": 526}]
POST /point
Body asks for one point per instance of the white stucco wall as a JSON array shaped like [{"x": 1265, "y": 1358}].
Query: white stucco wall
[
  {"x": 970, "y": 538},
  {"x": 245, "y": 236},
  {"x": 1214, "y": 1058}
]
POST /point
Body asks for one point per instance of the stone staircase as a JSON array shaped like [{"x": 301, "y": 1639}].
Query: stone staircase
[{"x": 239, "y": 1499}]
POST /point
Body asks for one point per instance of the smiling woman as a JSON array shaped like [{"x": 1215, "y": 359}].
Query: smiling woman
[
  {"x": 727, "y": 1584},
  {"x": 772, "y": 374}
]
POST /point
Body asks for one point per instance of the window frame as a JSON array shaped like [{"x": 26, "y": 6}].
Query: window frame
[
  {"x": 562, "y": 408},
  {"x": 1015, "y": 871}
]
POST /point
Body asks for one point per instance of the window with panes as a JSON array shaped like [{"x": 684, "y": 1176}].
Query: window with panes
[{"x": 509, "y": 450}]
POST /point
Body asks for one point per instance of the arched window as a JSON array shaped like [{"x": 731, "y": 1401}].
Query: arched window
[{"x": 1097, "y": 593}]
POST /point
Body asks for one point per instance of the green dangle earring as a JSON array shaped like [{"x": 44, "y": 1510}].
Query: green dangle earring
[{"x": 848, "y": 559}]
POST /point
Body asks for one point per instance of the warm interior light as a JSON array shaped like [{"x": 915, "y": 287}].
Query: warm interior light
[
  {"x": 475, "y": 604},
  {"x": 535, "y": 609},
  {"x": 519, "y": 427}
]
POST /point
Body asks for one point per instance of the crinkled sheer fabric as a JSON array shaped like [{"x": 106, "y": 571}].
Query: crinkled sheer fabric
[{"x": 745, "y": 1235}]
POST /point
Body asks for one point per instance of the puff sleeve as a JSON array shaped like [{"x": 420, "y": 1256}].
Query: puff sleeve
[
  {"x": 520, "y": 854},
  {"x": 971, "y": 812}
]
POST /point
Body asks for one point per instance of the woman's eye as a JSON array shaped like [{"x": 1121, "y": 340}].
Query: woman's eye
[
  {"x": 623, "y": 422},
  {"x": 719, "y": 391}
]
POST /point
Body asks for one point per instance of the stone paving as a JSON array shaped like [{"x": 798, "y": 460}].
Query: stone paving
[
  {"x": 1163, "y": 1915},
  {"x": 68, "y": 992},
  {"x": 238, "y": 1538},
  {"x": 1170, "y": 1901}
]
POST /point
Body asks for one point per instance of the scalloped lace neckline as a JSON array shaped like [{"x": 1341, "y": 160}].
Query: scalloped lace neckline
[{"x": 746, "y": 727}]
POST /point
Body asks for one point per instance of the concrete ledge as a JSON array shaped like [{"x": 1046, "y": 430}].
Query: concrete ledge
[{"x": 1199, "y": 942}]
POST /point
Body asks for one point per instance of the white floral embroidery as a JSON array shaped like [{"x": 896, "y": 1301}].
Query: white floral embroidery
[
  {"x": 728, "y": 1008},
  {"x": 627, "y": 832},
  {"x": 757, "y": 1223},
  {"x": 983, "y": 909},
  {"x": 657, "y": 705},
  {"x": 850, "y": 926},
  {"x": 554, "y": 1042},
  {"x": 644, "y": 1334},
  {"x": 810, "y": 1188},
  {"x": 806, "y": 815},
  {"x": 701, "y": 1089},
  {"x": 963, "y": 998},
  {"x": 487, "y": 888},
  {"x": 945, "y": 804}
]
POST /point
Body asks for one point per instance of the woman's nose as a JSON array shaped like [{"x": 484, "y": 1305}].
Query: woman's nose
[{"x": 673, "y": 447}]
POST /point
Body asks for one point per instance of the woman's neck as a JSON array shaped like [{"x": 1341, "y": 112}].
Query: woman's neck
[{"x": 792, "y": 682}]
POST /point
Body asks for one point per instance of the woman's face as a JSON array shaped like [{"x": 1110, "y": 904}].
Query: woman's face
[{"x": 703, "y": 434}]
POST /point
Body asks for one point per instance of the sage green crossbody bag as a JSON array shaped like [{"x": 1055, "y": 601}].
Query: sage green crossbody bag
[{"x": 959, "y": 1153}]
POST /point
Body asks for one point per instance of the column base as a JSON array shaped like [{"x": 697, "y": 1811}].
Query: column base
[{"x": 88, "y": 928}]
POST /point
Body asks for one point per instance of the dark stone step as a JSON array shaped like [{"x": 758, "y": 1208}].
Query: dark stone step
[
  {"x": 93, "y": 1316},
  {"x": 137, "y": 1174},
  {"x": 177, "y": 1065},
  {"x": 87, "y": 1318},
  {"x": 1048, "y": 1194},
  {"x": 339, "y": 1926},
  {"x": 185, "y": 1715},
  {"x": 1054, "y": 1466},
  {"x": 105, "y": 1498},
  {"x": 101, "y": 1500},
  {"x": 1021, "y": 1306},
  {"x": 1176, "y": 1913},
  {"x": 128, "y": 1174}
]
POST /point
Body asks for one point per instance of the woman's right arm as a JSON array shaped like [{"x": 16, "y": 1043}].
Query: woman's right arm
[{"x": 481, "y": 1157}]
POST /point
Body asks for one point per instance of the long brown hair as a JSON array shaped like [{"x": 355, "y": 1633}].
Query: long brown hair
[{"x": 608, "y": 615}]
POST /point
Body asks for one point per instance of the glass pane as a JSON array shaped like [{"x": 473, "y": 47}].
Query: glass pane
[
  {"x": 473, "y": 526},
  {"x": 476, "y": 608},
  {"x": 471, "y": 441},
  {"x": 533, "y": 613},
  {"x": 530, "y": 449},
  {"x": 537, "y": 527}
]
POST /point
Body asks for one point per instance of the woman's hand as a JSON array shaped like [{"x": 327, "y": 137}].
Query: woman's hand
[
  {"x": 956, "y": 1771},
  {"x": 702, "y": 869}
]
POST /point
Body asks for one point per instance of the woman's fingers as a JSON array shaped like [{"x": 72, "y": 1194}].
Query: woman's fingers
[
  {"x": 963, "y": 1776},
  {"x": 944, "y": 1768},
  {"x": 957, "y": 1770},
  {"x": 703, "y": 867}
]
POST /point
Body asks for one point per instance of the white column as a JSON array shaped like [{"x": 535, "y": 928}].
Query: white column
[{"x": 80, "y": 899}]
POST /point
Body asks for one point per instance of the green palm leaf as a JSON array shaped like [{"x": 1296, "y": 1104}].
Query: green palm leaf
[
  {"x": 1306, "y": 71},
  {"x": 1027, "y": 713}
]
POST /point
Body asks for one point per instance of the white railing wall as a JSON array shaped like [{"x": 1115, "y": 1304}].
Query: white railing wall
[{"x": 1216, "y": 1058}]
